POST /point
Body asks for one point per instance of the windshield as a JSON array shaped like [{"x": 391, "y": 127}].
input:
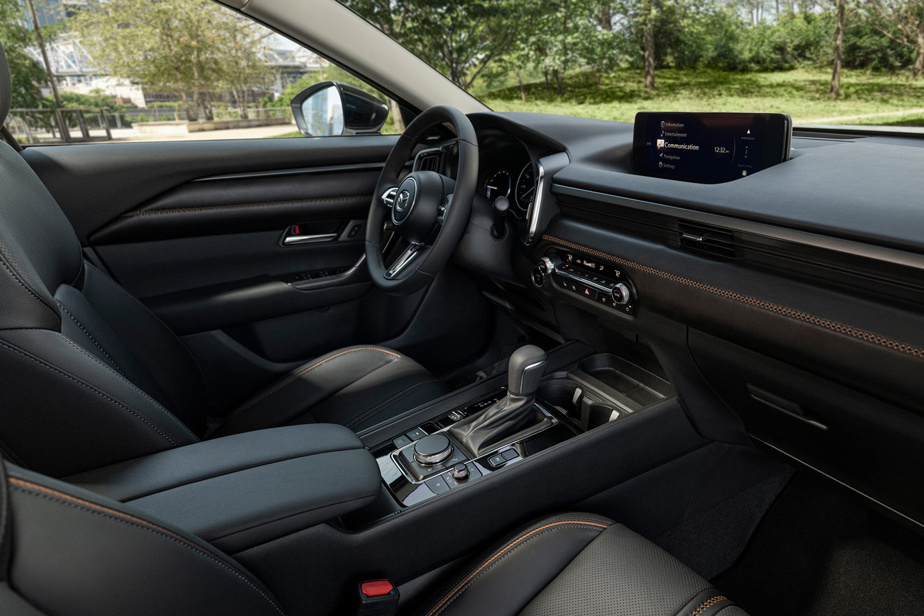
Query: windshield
[{"x": 829, "y": 62}]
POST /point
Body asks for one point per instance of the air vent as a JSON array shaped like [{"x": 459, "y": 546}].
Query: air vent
[
  {"x": 704, "y": 238},
  {"x": 428, "y": 161}
]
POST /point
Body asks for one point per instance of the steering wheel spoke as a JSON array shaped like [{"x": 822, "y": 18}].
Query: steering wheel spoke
[
  {"x": 404, "y": 260},
  {"x": 388, "y": 197}
]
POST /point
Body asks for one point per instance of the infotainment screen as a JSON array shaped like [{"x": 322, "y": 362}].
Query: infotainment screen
[{"x": 709, "y": 147}]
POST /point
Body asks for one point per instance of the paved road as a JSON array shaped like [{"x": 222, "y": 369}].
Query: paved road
[{"x": 259, "y": 132}]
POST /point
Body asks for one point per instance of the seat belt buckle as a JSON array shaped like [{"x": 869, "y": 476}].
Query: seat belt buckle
[{"x": 377, "y": 598}]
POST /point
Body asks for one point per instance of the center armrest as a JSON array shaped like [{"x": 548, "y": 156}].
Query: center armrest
[{"x": 245, "y": 489}]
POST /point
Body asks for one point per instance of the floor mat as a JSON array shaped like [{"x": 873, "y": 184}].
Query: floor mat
[{"x": 820, "y": 550}]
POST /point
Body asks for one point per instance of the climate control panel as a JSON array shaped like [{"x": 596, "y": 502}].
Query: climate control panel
[{"x": 588, "y": 277}]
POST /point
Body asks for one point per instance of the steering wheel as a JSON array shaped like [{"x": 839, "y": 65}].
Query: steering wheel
[{"x": 428, "y": 210}]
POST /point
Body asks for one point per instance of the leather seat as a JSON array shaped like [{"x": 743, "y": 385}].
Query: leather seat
[
  {"x": 92, "y": 377},
  {"x": 67, "y": 552}
]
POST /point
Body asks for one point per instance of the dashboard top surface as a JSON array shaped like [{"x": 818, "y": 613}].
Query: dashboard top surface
[{"x": 863, "y": 188}]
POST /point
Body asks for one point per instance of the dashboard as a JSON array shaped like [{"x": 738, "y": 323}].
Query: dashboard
[{"x": 787, "y": 305}]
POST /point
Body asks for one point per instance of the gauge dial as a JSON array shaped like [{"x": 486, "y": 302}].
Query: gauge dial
[
  {"x": 526, "y": 187},
  {"x": 498, "y": 185}
]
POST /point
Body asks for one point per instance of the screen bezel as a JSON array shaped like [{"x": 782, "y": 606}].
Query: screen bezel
[{"x": 776, "y": 147}]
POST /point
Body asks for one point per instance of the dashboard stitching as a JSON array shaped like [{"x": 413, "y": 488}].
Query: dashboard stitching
[
  {"x": 219, "y": 208},
  {"x": 764, "y": 305}
]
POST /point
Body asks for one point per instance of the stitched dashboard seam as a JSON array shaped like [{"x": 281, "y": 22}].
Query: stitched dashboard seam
[
  {"x": 462, "y": 586},
  {"x": 295, "y": 377},
  {"x": 119, "y": 516},
  {"x": 221, "y": 208},
  {"x": 93, "y": 389},
  {"x": 805, "y": 317}
]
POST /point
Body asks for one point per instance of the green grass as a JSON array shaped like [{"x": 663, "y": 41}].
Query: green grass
[{"x": 802, "y": 93}]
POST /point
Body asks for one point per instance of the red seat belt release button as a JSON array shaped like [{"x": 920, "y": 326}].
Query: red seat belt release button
[
  {"x": 377, "y": 598},
  {"x": 377, "y": 588}
]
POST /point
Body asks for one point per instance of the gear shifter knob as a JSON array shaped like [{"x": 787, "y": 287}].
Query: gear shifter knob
[{"x": 526, "y": 367}]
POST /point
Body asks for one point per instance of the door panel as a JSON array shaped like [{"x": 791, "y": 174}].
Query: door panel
[{"x": 197, "y": 231}]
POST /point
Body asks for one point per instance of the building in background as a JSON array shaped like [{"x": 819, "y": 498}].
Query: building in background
[{"x": 77, "y": 72}]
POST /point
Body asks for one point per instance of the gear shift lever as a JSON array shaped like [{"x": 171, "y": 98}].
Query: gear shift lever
[{"x": 512, "y": 414}]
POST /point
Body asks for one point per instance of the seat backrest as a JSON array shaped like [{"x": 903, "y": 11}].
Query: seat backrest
[
  {"x": 68, "y": 552},
  {"x": 89, "y": 375}
]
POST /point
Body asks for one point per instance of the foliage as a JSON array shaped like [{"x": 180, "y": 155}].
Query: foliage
[
  {"x": 188, "y": 48},
  {"x": 26, "y": 73},
  {"x": 95, "y": 100}
]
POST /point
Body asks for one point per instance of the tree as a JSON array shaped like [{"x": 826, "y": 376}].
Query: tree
[
  {"x": 835, "y": 90},
  {"x": 903, "y": 22},
  {"x": 242, "y": 67},
  {"x": 25, "y": 72},
  {"x": 168, "y": 45}
]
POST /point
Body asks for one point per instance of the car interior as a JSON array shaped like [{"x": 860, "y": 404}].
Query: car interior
[{"x": 482, "y": 367}]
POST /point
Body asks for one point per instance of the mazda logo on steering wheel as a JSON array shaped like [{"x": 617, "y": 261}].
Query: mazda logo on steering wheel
[{"x": 401, "y": 202}]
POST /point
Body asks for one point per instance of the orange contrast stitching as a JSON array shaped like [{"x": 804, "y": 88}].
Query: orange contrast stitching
[
  {"x": 848, "y": 330},
  {"x": 28, "y": 485},
  {"x": 705, "y": 606},
  {"x": 500, "y": 553},
  {"x": 34, "y": 486},
  {"x": 219, "y": 208},
  {"x": 308, "y": 369}
]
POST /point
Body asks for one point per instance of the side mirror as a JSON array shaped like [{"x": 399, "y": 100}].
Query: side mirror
[{"x": 331, "y": 108}]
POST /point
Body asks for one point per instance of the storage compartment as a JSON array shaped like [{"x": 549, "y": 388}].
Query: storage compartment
[
  {"x": 246, "y": 489},
  {"x": 872, "y": 446},
  {"x": 603, "y": 388}
]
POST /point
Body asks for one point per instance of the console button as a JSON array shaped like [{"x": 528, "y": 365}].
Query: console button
[
  {"x": 416, "y": 434},
  {"x": 401, "y": 441},
  {"x": 585, "y": 291},
  {"x": 497, "y": 460},
  {"x": 457, "y": 456},
  {"x": 510, "y": 454},
  {"x": 438, "y": 485}
]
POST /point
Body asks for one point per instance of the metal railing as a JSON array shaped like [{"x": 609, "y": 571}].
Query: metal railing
[{"x": 69, "y": 124}]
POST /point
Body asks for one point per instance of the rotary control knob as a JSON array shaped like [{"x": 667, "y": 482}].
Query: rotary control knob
[
  {"x": 621, "y": 294},
  {"x": 548, "y": 265},
  {"x": 460, "y": 472},
  {"x": 432, "y": 449}
]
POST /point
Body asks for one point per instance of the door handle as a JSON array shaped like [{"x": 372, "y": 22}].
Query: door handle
[{"x": 290, "y": 240}]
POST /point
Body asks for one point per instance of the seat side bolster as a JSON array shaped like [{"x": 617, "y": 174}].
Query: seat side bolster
[
  {"x": 510, "y": 574},
  {"x": 179, "y": 574},
  {"x": 65, "y": 412}
]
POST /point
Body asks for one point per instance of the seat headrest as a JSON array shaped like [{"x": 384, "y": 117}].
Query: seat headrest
[{"x": 6, "y": 87}]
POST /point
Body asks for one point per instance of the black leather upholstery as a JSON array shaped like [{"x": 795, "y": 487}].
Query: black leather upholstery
[
  {"x": 580, "y": 565},
  {"x": 357, "y": 387},
  {"x": 74, "y": 552},
  {"x": 247, "y": 489},
  {"x": 92, "y": 377}
]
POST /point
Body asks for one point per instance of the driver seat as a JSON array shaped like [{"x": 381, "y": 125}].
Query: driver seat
[{"x": 92, "y": 377}]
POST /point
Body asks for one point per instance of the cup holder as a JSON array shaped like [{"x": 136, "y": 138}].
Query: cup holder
[{"x": 574, "y": 401}]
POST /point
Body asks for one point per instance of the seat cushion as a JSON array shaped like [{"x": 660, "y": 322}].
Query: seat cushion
[
  {"x": 357, "y": 387},
  {"x": 581, "y": 565}
]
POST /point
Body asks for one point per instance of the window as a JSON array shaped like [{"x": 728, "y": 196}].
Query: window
[{"x": 174, "y": 70}]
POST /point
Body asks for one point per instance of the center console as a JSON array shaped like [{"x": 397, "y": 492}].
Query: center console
[{"x": 469, "y": 442}]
